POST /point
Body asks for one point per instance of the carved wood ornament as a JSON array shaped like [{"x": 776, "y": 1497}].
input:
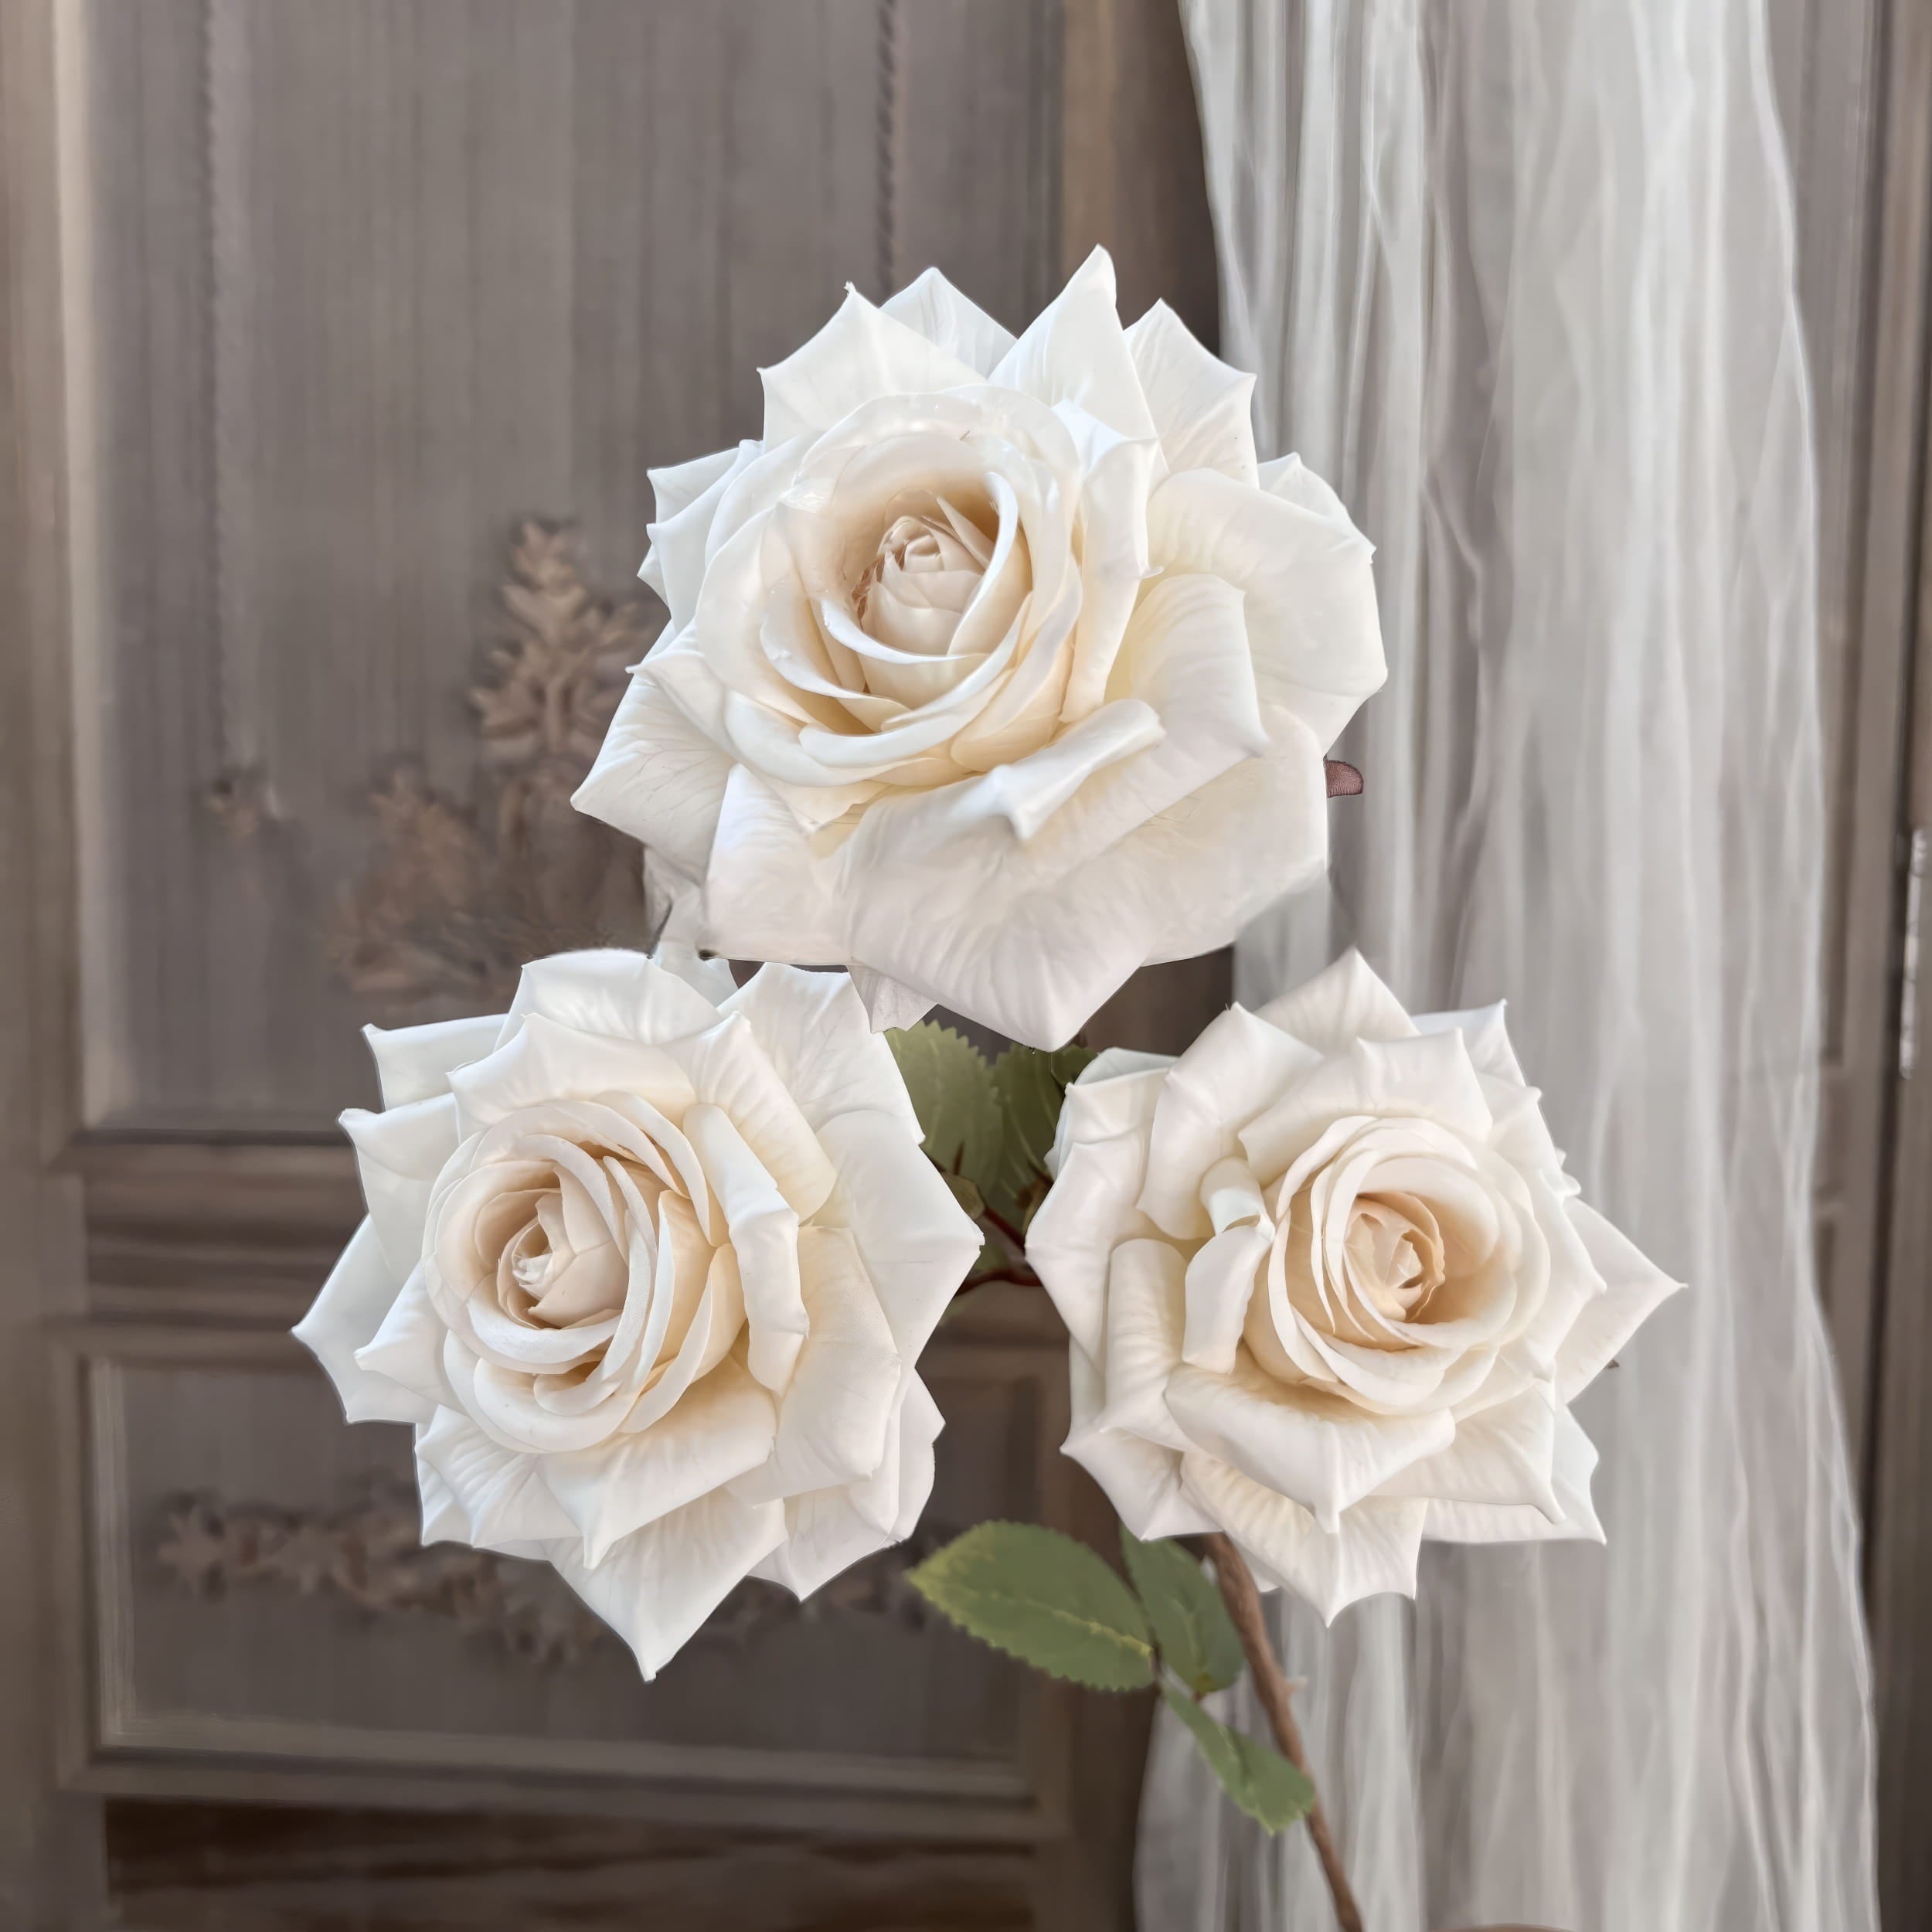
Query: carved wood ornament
[{"x": 458, "y": 896}]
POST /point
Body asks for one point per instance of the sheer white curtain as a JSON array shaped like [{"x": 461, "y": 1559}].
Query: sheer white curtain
[{"x": 1519, "y": 279}]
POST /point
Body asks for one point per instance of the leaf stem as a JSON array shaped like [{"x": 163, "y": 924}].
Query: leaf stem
[{"x": 1243, "y": 1601}]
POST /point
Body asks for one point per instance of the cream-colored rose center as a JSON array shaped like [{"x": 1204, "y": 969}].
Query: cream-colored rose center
[
  {"x": 921, "y": 580},
  {"x": 1393, "y": 1252},
  {"x": 589, "y": 1284}
]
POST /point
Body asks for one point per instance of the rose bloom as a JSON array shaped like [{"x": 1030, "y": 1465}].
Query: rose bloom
[
  {"x": 997, "y": 669},
  {"x": 648, "y": 1263},
  {"x": 1330, "y": 1290}
]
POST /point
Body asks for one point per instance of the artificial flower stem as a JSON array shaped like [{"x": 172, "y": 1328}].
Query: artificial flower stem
[{"x": 1243, "y": 1601}]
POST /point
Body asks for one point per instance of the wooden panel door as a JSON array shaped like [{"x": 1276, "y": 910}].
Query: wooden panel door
[{"x": 338, "y": 338}]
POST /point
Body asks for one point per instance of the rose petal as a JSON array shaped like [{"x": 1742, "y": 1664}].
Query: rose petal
[
  {"x": 1221, "y": 1278},
  {"x": 934, "y": 307},
  {"x": 888, "y": 1003},
  {"x": 399, "y": 1155},
  {"x": 861, "y": 354},
  {"x": 1426, "y": 1078},
  {"x": 1075, "y": 350},
  {"x": 545, "y": 1062},
  {"x": 618, "y": 995},
  {"x": 1573, "y": 1457},
  {"x": 1027, "y": 792},
  {"x": 1634, "y": 1287},
  {"x": 815, "y": 1028},
  {"x": 680, "y": 536},
  {"x": 657, "y": 776},
  {"x": 1088, "y": 1213},
  {"x": 729, "y": 1069},
  {"x": 764, "y": 897},
  {"x": 501, "y": 1494},
  {"x": 840, "y": 1402},
  {"x": 1373, "y": 1548},
  {"x": 1142, "y": 1480},
  {"x": 723, "y": 1426},
  {"x": 659, "y": 1584},
  {"x": 408, "y": 1348},
  {"x": 1342, "y": 1004},
  {"x": 359, "y": 1293},
  {"x": 1320, "y": 1451},
  {"x": 414, "y": 1063},
  {"x": 1145, "y": 1314},
  {"x": 764, "y": 1235},
  {"x": 1117, "y": 1092},
  {"x": 1306, "y": 588},
  {"x": 1502, "y": 1454},
  {"x": 1238, "y": 1066},
  {"x": 1201, "y": 407},
  {"x": 915, "y": 1241}
]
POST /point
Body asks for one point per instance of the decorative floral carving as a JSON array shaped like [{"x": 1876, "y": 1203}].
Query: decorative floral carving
[
  {"x": 369, "y": 1554},
  {"x": 459, "y": 895}
]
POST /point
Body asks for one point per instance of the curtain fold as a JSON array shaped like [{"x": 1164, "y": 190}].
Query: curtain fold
[{"x": 1520, "y": 281}]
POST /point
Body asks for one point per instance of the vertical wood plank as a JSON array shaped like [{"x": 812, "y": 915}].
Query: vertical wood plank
[{"x": 49, "y": 1845}]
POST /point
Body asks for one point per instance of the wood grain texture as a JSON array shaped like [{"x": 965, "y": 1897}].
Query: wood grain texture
[{"x": 375, "y": 280}]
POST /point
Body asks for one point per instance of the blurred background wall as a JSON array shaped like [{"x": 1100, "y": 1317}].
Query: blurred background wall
[{"x": 338, "y": 340}]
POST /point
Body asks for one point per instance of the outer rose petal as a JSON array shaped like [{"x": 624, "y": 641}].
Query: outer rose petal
[
  {"x": 859, "y": 356},
  {"x": 840, "y": 1403},
  {"x": 660, "y": 1582},
  {"x": 415, "y": 1062},
  {"x": 1633, "y": 1286},
  {"x": 359, "y": 1292},
  {"x": 1201, "y": 407},
  {"x": 723, "y": 1426},
  {"x": 1089, "y": 1211},
  {"x": 1238, "y": 1065},
  {"x": 814, "y": 1026},
  {"x": 1076, "y": 352},
  {"x": 616, "y": 994},
  {"x": 916, "y": 1242},
  {"x": 1573, "y": 1458},
  {"x": 501, "y": 1494},
  {"x": 828, "y": 1531},
  {"x": 1307, "y": 587},
  {"x": 1142, "y": 1480},
  {"x": 1323, "y": 1453},
  {"x": 1373, "y": 1548},
  {"x": 657, "y": 777},
  {"x": 934, "y": 307},
  {"x": 1343, "y": 1003},
  {"x": 399, "y": 1155}
]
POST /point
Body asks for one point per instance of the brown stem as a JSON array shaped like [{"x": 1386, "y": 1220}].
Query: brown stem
[
  {"x": 999, "y": 1222},
  {"x": 1020, "y": 1275},
  {"x": 1243, "y": 1601}
]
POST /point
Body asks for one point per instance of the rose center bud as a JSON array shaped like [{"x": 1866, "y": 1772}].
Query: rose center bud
[
  {"x": 560, "y": 1267},
  {"x": 1394, "y": 1253},
  {"x": 922, "y": 578}
]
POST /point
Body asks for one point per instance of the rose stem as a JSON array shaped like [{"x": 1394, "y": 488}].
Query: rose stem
[{"x": 1243, "y": 1601}]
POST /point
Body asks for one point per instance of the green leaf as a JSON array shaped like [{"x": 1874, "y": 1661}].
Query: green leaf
[
  {"x": 1030, "y": 1088},
  {"x": 1043, "y": 1598},
  {"x": 1191, "y": 1624},
  {"x": 1255, "y": 1776},
  {"x": 952, "y": 1092}
]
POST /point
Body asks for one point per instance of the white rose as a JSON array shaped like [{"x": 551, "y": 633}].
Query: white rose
[
  {"x": 1330, "y": 1290},
  {"x": 998, "y": 669},
  {"x": 648, "y": 1263}
]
